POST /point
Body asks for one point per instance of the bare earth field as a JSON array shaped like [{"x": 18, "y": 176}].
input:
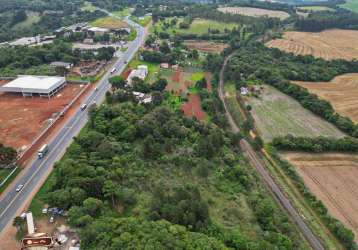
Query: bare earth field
[
  {"x": 254, "y": 12},
  {"x": 205, "y": 46},
  {"x": 277, "y": 114},
  {"x": 328, "y": 44},
  {"x": 333, "y": 178},
  {"x": 341, "y": 92},
  {"x": 22, "y": 119}
]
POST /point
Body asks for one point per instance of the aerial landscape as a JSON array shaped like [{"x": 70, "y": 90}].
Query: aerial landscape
[{"x": 179, "y": 124}]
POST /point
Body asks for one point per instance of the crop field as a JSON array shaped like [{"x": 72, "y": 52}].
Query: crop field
[
  {"x": 277, "y": 114},
  {"x": 333, "y": 178},
  {"x": 254, "y": 12},
  {"x": 109, "y": 23},
  {"x": 341, "y": 92},
  {"x": 206, "y": 46},
  {"x": 199, "y": 26},
  {"x": 192, "y": 108},
  {"x": 328, "y": 44},
  {"x": 316, "y": 8},
  {"x": 22, "y": 119},
  {"x": 32, "y": 18},
  {"x": 351, "y": 5}
]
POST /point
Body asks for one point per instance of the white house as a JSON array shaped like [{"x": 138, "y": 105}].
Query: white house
[{"x": 141, "y": 72}]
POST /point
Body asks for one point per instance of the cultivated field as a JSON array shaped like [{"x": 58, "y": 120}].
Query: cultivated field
[
  {"x": 341, "y": 92},
  {"x": 23, "y": 119},
  {"x": 329, "y": 44},
  {"x": 205, "y": 46},
  {"x": 277, "y": 114},
  {"x": 333, "y": 178},
  {"x": 255, "y": 12},
  {"x": 316, "y": 8},
  {"x": 192, "y": 108},
  {"x": 109, "y": 23}
]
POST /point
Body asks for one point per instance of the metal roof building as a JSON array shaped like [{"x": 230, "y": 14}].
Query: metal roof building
[{"x": 35, "y": 85}]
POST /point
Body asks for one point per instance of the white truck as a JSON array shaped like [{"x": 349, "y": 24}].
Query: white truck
[{"x": 42, "y": 151}]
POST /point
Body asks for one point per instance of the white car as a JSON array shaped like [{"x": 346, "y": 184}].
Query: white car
[
  {"x": 84, "y": 106},
  {"x": 19, "y": 187}
]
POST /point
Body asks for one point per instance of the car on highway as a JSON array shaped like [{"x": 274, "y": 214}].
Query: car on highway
[
  {"x": 96, "y": 89},
  {"x": 19, "y": 187},
  {"x": 113, "y": 70},
  {"x": 83, "y": 106}
]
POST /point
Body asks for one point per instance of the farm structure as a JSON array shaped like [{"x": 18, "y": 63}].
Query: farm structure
[
  {"x": 341, "y": 92},
  {"x": 333, "y": 179},
  {"x": 43, "y": 86},
  {"x": 277, "y": 114},
  {"x": 328, "y": 44},
  {"x": 254, "y": 12}
]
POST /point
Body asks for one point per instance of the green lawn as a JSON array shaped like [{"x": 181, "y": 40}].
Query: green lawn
[
  {"x": 109, "y": 23},
  {"x": 153, "y": 69},
  {"x": 198, "y": 26},
  {"x": 276, "y": 114},
  {"x": 142, "y": 21},
  {"x": 351, "y": 5},
  {"x": 316, "y": 8},
  {"x": 123, "y": 13}
]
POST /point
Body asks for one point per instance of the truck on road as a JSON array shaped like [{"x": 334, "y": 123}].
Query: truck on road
[{"x": 42, "y": 151}]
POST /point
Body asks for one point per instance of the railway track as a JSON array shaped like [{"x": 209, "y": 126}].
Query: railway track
[{"x": 256, "y": 162}]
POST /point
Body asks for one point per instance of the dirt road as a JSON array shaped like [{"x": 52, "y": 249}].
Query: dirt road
[{"x": 255, "y": 161}]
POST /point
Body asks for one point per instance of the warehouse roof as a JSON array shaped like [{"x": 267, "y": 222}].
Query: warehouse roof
[{"x": 33, "y": 84}]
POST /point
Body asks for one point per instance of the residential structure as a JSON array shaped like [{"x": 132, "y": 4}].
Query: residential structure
[{"x": 141, "y": 72}]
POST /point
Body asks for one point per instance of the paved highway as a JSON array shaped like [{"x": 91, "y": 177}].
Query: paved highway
[
  {"x": 34, "y": 172},
  {"x": 255, "y": 161}
]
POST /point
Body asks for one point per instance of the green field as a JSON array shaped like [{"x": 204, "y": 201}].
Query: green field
[
  {"x": 32, "y": 18},
  {"x": 198, "y": 26},
  {"x": 144, "y": 21},
  {"x": 276, "y": 114},
  {"x": 316, "y": 8},
  {"x": 351, "y": 5},
  {"x": 123, "y": 13},
  {"x": 153, "y": 69},
  {"x": 87, "y": 6},
  {"x": 109, "y": 23}
]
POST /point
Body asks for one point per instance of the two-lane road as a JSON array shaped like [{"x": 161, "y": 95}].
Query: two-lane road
[{"x": 37, "y": 169}]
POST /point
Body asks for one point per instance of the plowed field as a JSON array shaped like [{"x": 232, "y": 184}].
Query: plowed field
[
  {"x": 254, "y": 12},
  {"x": 333, "y": 178},
  {"x": 341, "y": 92},
  {"x": 329, "y": 44}
]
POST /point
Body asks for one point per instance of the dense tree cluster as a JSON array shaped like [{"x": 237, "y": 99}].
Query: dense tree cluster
[
  {"x": 318, "y": 144},
  {"x": 17, "y": 60},
  {"x": 340, "y": 18},
  {"x": 259, "y": 64}
]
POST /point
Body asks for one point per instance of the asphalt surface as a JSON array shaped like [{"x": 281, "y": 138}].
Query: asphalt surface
[
  {"x": 255, "y": 161},
  {"x": 34, "y": 172}
]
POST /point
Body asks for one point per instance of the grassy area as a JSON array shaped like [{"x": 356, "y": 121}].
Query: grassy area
[
  {"x": 109, "y": 23},
  {"x": 198, "y": 26},
  {"x": 4, "y": 173},
  {"x": 32, "y": 18},
  {"x": 276, "y": 114},
  {"x": 233, "y": 104},
  {"x": 123, "y": 13},
  {"x": 144, "y": 21},
  {"x": 316, "y": 8},
  {"x": 173, "y": 102},
  {"x": 132, "y": 35},
  {"x": 351, "y": 5},
  {"x": 87, "y": 6},
  {"x": 153, "y": 69},
  {"x": 197, "y": 76}
]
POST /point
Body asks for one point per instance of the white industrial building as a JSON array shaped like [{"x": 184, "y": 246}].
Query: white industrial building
[
  {"x": 141, "y": 72},
  {"x": 44, "y": 86}
]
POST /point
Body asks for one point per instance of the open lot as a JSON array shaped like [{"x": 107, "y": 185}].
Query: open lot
[
  {"x": 206, "y": 46},
  {"x": 199, "y": 26},
  {"x": 277, "y": 114},
  {"x": 23, "y": 119},
  {"x": 328, "y": 44},
  {"x": 109, "y": 23},
  {"x": 254, "y": 12},
  {"x": 341, "y": 92},
  {"x": 333, "y": 178},
  {"x": 316, "y": 8},
  {"x": 192, "y": 108}
]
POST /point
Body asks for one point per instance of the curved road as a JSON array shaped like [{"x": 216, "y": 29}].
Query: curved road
[
  {"x": 266, "y": 177},
  {"x": 35, "y": 172}
]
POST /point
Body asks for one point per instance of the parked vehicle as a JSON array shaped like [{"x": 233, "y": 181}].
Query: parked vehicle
[
  {"x": 42, "y": 151},
  {"x": 96, "y": 89},
  {"x": 84, "y": 106},
  {"x": 19, "y": 187},
  {"x": 52, "y": 219}
]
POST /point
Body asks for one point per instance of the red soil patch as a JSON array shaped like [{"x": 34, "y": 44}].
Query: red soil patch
[
  {"x": 22, "y": 119},
  {"x": 193, "y": 107},
  {"x": 126, "y": 73},
  {"x": 176, "y": 76}
]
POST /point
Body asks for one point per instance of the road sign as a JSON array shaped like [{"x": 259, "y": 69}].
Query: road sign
[{"x": 35, "y": 242}]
